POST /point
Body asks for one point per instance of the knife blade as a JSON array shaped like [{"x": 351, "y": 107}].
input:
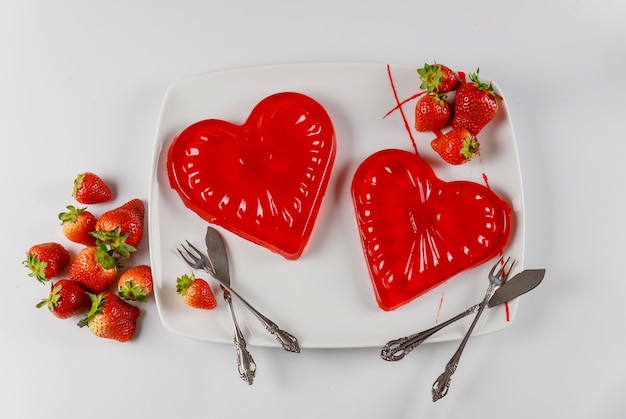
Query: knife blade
[
  {"x": 521, "y": 283},
  {"x": 218, "y": 257}
]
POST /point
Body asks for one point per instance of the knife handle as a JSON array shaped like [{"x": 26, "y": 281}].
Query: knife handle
[
  {"x": 397, "y": 349},
  {"x": 245, "y": 364},
  {"x": 287, "y": 340}
]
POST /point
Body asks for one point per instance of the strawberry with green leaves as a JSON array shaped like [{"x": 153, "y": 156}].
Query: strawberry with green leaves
[
  {"x": 456, "y": 147},
  {"x": 94, "y": 268},
  {"x": 196, "y": 292},
  {"x": 46, "y": 260},
  {"x": 432, "y": 112},
  {"x": 110, "y": 317},
  {"x": 122, "y": 228},
  {"x": 89, "y": 188},
  {"x": 136, "y": 283},
  {"x": 475, "y": 105},
  {"x": 66, "y": 299},
  {"x": 437, "y": 78},
  {"x": 77, "y": 225}
]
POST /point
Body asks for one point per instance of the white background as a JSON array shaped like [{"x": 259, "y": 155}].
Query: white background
[{"x": 81, "y": 85}]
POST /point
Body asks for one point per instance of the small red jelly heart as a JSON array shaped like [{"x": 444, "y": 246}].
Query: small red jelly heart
[
  {"x": 417, "y": 230},
  {"x": 263, "y": 180}
]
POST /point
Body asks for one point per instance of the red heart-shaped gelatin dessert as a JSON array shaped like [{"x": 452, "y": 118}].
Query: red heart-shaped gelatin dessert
[
  {"x": 417, "y": 230},
  {"x": 263, "y": 180}
]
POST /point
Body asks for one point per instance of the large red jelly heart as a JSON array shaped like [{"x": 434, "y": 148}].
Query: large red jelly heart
[
  {"x": 263, "y": 180},
  {"x": 417, "y": 230}
]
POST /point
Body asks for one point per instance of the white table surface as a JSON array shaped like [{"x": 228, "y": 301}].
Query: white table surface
[{"x": 81, "y": 85}]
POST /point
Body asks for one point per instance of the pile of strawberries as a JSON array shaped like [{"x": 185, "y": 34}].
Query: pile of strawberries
[
  {"x": 93, "y": 288},
  {"x": 475, "y": 104},
  {"x": 93, "y": 272}
]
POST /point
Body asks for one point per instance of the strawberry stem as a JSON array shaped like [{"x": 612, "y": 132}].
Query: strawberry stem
[
  {"x": 114, "y": 241},
  {"x": 484, "y": 86},
  {"x": 470, "y": 147},
  {"x": 184, "y": 282},
  {"x": 72, "y": 214},
  {"x": 37, "y": 267},
  {"x": 97, "y": 303},
  {"x": 78, "y": 183},
  {"x": 132, "y": 291},
  {"x": 53, "y": 299},
  {"x": 431, "y": 76}
]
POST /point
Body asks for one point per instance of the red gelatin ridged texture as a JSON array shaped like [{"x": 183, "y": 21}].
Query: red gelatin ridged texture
[
  {"x": 263, "y": 180},
  {"x": 417, "y": 230}
]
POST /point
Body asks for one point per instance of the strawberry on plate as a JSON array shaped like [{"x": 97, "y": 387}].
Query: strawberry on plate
[
  {"x": 196, "y": 292},
  {"x": 77, "y": 224},
  {"x": 89, "y": 188},
  {"x": 432, "y": 112},
  {"x": 457, "y": 146},
  {"x": 46, "y": 260},
  {"x": 111, "y": 317},
  {"x": 438, "y": 78},
  {"x": 475, "y": 105},
  {"x": 122, "y": 228},
  {"x": 135, "y": 283},
  {"x": 94, "y": 268},
  {"x": 66, "y": 299}
]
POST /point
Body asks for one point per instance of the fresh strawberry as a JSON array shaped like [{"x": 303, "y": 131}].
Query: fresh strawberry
[
  {"x": 122, "y": 228},
  {"x": 89, "y": 188},
  {"x": 475, "y": 105},
  {"x": 94, "y": 268},
  {"x": 438, "y": 78},
  {"x": 457, "y": 146},
  {"x": 135, "y": 283},
  {"x": 77, "y": 224},
  {"x": 432, "y": 112},
  {"x": 136, "y": 207},
  {"x": 46, "y": 260},
  {"x": 111, "y": 317},
  {"x": 66, "y": 299},
  {"x": 196, "y": 292}
]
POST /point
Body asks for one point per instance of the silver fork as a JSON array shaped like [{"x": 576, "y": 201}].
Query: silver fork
[
  {"x": 197, "y": 260},
  {"x": 496, "y": 279}
]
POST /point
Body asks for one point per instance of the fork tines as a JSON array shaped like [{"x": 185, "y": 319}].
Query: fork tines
[{"x": 505, "y": 268}]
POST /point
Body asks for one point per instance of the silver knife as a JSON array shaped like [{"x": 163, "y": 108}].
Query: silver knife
[
  {"x": 218, "y": 259},
  {"x": 520, "y": 284}
]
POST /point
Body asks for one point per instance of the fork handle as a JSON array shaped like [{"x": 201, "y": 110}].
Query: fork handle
[
  {"x": 442, "y": 383},
  {"x": 397, "y": 349},
  {"x": 286, "y": 340}
]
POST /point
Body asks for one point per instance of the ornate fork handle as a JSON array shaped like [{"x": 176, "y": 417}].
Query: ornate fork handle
[
  {"x": 245, "y": 364},
  {"x": 397, "y": 349},
  {"x": 287, "y": 340},
  {"x": 442, "y": 383}
]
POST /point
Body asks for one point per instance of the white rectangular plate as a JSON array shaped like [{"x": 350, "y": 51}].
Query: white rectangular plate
[{"x": 325, "y": 298}]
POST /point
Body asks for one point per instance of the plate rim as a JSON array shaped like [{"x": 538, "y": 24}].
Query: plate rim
[{"x": 154, "y": 193}]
